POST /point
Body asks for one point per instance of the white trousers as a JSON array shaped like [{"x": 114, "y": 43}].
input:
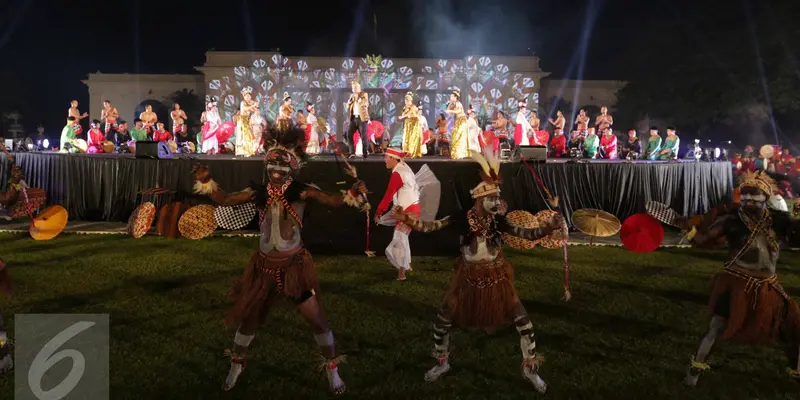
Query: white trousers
[{"x": 399, "y": 250}]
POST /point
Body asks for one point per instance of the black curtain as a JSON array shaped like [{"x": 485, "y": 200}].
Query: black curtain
[{"x": 105, "y": 188}]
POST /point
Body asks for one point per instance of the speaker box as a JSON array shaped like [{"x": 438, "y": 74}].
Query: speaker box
[
  {"x": 535, "y": 154},
  {"x": 152, "y": 149}
]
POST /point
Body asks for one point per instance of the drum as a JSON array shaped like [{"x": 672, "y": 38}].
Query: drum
[
  {"x": 81, "y": 145},
  {"x": 632, "y": 155},
  {"x": 108, "y": 147},
  {"x": 575, "y": 152}
]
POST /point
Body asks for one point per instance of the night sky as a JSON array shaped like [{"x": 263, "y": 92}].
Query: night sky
[{"x": 47, "y": 47}]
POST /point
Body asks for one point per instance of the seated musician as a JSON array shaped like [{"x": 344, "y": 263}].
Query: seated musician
[
  {"x": 161, "y": 134},
  {"x": 631, "y": 148}
]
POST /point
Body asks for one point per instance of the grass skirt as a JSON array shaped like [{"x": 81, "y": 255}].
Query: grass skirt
[
  {"x": 482, "y": 295},
  {"x": 758, "y": 309},
  {"x": 291, "y": 275}
]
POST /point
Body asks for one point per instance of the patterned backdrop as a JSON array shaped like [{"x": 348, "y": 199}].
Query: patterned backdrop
[{"x": 486, "y": 86}]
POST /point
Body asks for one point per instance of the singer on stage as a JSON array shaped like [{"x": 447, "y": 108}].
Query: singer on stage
[{"x": 358, "y": 109}]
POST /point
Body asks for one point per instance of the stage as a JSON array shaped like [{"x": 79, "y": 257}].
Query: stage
[{"x": 104, "y": 187}]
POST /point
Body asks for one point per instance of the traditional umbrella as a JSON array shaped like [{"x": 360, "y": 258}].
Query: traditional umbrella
[
  {"x": 641, "y": 233},
  {"x": 141, "y": 220},
  {"x": 662, "y": 212},
  {"x": 198, "y": 222},
  {"x": 595, "y": 223},
  {"x": 49, "y": 223}
]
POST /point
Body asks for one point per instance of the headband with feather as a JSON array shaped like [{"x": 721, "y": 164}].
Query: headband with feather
[{"x": 490, "y": 173}]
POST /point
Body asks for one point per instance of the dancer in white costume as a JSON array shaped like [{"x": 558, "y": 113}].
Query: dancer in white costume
[
  {"x": 523, "y": 129},
  {"x": 211, "y": 124},
  {"x": 416, "y": 194},
  {"x": 312, "y": 131}
]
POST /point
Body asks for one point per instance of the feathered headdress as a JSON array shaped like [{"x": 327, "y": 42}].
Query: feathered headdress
[
  {"x": 759, "y": 180},
  {"x": 523, "y": 103},
  {"x": 286, "y": 96},
  {"x": 285, "y": 145},
  {"x": 457, "y": 92},
  {"x": 247, "y": 90},
  {"x": 409, "y": 96},
  {"x": 208, "y": 99},
  {"x": 490, "y": 174}
]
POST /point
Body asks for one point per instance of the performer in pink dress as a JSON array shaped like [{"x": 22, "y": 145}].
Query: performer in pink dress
[{"x": 95, "y": 138}]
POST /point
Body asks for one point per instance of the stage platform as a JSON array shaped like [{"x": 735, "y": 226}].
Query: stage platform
[{"x": 105, "y": 188}]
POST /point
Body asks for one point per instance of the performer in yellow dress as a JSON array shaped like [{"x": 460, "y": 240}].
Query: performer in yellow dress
[
  {"x": 459, "y": 136},
  {"x": 412, "y": 130},
  {"x": 246, "y": 143}
]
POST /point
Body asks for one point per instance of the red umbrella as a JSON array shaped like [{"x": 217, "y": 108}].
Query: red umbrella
[{"x": 641, "y": 233}]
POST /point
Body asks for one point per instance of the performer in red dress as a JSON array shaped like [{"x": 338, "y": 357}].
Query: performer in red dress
[
  {"x": 558, "y": 146},
  {"x": 404, "y": 192},
  {"x": 161, "y": 134},
  {"x": 608, "y": 145},
  {"x": 95, "y": 138}
]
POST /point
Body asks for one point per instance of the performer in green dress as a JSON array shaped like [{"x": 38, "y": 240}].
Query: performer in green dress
[
  {"x": 138, "y": 132},
  {"x": 70, "y": 132},
  {"x": 591, "y": 144},
  {"x": 671, "y": 146},
  {"x": 653, "y": 144}
]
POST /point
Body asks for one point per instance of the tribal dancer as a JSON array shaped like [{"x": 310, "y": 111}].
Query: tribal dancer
[
  {"x": 748, "y": 303},
  {"x": 412, "y": 131},
  {"x": 500, "y": 127},
  {"x": 522, "y": 128},
  {"x": 178, "y": 123},
  {"x": 482, "y": 295},
  {"x": 312, "y": 131},
  {"x": 281, "y": 265},
  {"x": 74, "y": 112},
  {"x": 402, "y": 192},
  {"x": 95, "y": 138},
  {"x": 70, "y": 132},
  {"x": 109, "y": 116},
  {"x": 460, "y": 135},
  {"x": 149, "y": 118},
  {"x": 6, "y": 362},
  {"x": 245, "y": 141}
]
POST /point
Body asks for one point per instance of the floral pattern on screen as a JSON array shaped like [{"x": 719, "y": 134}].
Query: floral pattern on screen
[{"x": 486, "y": 86}]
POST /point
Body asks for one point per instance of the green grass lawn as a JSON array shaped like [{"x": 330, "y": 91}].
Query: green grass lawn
[{"x": 628, "y": 333}]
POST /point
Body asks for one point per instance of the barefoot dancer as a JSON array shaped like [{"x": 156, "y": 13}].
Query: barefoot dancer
[
  {"x": 281, "y": 265},
  {"x": 748, "y": 303},
  {"x": 482, "y": 295}
]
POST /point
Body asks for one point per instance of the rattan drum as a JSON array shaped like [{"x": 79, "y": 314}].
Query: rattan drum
[
  {"x": 522, "y": 219},
  {"x": 198, "y": 222}
]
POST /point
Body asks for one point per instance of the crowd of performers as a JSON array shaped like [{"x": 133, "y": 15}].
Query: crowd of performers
[
  {"x": 455, "y": 132},
  {"x": 748, "y": 303}
]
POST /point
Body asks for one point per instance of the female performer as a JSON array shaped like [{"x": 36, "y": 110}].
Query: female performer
[
  {"x": 412, "y": 131},
  {"x": 523, "y": 129},
  {"x": 459, "y": 135},
  {"x": 281, "y": 266},
  {"x": 632, "y": 148},
  {"x": 482, "y": 295},
  {"x": 211, "y": 123},
  {"x": 671, "y": 146},
  {"x": 312, "y": 131},
  {"x": 246, "y": 141}
]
